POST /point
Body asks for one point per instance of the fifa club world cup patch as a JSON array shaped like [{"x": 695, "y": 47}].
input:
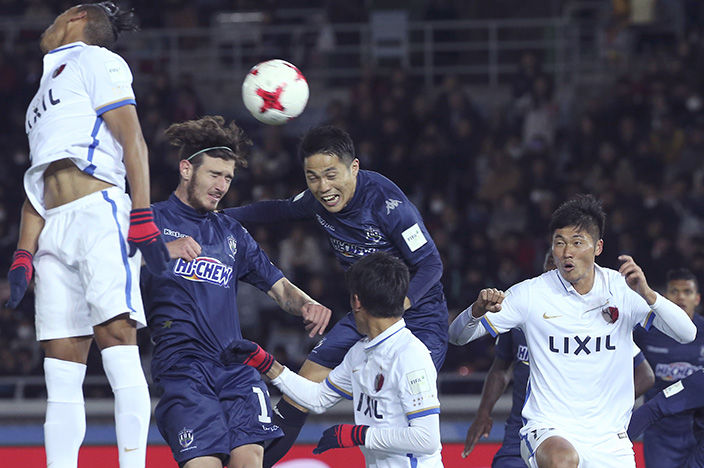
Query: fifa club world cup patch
[
  {"x": 418, "y": 381},
  {"x": 610, "y": 314},
  {"x": 414, "y": 237},
  {"x": 378, "y": 382},
  {"x": 673, "y": 389}
]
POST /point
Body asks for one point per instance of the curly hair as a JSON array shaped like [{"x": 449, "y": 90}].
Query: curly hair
[
  {"x": 210, "y": 131},
  {"x": 105, "y": 23}
]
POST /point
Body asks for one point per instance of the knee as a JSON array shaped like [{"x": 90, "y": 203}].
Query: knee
[{"x": 557, "y": 454}]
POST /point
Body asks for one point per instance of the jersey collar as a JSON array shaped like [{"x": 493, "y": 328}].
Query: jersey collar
[
  {"x": 601, "y": 283},
  {"x": 385, "y": 335},
  {"x": 186, "y": 210},
  {"x": 67, "y": 46}
]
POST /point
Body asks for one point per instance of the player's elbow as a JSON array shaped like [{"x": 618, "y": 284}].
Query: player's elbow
[
  {"x": 429, "y": 444},
  {"x": 689, "y": 335}
]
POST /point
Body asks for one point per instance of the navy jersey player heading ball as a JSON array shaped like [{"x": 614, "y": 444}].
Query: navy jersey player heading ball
[
  {"x": 361, "y": 212},
  {"x": 210, "y": 413}
]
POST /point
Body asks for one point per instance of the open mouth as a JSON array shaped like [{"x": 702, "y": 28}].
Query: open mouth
[{"x": 330, "y": 200}]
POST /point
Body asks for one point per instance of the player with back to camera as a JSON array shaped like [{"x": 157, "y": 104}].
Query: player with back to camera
[
  {"x": 578, "y": 322},
  {"x": 208, "y": 413},
  {"x": 683, "y": 397},
  {"x": 81, "y": 231},
  {"x": 388, "y": 374},
  {"x": 511, "y": 362},
  {"x": 671, "y": 440},
  {"x": 360, "y": 212}
]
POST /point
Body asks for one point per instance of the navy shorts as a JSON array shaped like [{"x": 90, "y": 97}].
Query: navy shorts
[
  {"x": 429, "y": 323},
  {"x": 208, "y": 409}
]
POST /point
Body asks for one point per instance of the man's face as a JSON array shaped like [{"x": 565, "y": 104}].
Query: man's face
[
  {"x": 574, "y": 251},
  {"x": 684, "y": 293},
  {"x": 53, "y": 36},
  {"x": 330, "y": 180},
  {"x": 208, "y": 183}
]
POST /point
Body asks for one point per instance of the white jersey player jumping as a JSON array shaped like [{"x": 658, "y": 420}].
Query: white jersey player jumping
[
  {"x": 578, "y": 323},
  {"x": 389, "y": 375}
]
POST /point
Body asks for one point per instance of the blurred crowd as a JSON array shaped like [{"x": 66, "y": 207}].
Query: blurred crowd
[{"x": 485, "y": 176}]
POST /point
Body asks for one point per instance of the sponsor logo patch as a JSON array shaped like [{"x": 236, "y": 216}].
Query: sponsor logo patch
[{"x": 205, "y": 270}]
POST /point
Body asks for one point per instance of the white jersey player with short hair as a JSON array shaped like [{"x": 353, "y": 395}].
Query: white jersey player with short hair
[
  {"x": 392, "y": 381},
  {"x": 79, "y": 83},
  {"x": 581, "y": 359}
]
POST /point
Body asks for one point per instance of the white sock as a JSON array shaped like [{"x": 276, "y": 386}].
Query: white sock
[
  {"x": 132, "y": 403},
  {"x": 65, "y": 425}
]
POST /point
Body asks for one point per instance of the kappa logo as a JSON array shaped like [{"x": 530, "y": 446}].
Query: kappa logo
[
  {"x": 232, "y": 243},
  {"x": 392, "y": 204},
  {"x": 172, "y": 233},
  {"x": 205, "y": 270}
]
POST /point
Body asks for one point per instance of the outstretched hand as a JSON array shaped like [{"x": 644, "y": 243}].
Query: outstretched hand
[
  {"x": 341, "y": 436},
  {"x": 316, "y": 317},
  {"x": 248, "y": 353},
  {"x": 481, "y": 427},
  {"x": 635, "y": 278},
  {"x": 145, "y": 236},
  {"x": 488, "y": 300}
]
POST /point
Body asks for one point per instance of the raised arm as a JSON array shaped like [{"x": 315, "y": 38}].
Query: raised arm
[
  {"x": 669, "y": 317},
  {"x": 466, "y": 327},
  {"x": 296, "y": 302}
]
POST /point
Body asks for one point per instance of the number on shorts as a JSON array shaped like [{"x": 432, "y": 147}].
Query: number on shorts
[{"x": 264, "y": 416}]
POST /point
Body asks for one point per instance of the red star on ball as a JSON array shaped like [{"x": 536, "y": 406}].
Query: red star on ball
[{"x": 271, "y": 99}]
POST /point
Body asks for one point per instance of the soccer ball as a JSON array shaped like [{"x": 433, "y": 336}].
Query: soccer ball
[{"x": 275, "y": 92}]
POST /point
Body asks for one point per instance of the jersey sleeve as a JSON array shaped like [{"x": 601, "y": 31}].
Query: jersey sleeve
[
  {"x": 417, "y": 382},
  {"x": 254, "y": 266},
  {"x": 294, "y": 209},
  {"x": 404, "y": 226},
  {"x": 512, "y": 314},
  {"x": 339, "y": 379},
  {"x": 108, "y": 79}
]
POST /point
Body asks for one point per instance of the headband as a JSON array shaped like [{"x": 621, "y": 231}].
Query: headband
[{"x": 209, "y": 149}]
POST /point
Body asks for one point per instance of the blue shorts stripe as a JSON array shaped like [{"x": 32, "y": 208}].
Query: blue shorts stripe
[
  {"x": 123, "y": 252},
  {"x": 413, "y": 460}
]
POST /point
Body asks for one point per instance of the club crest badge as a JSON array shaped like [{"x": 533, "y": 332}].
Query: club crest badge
[
  {"x": 378, "y": 382},
  {"x": 185, "y": 437},
  {"x": 610, "y": 314},
  {"x": 58, "y": 71}
]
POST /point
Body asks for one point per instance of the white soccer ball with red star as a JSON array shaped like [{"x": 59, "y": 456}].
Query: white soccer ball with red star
[{"x": 275, "y": 92}]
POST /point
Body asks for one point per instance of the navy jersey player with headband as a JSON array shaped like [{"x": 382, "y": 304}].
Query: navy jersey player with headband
[
  {"x": 210, "y": 412},
  {"x": 360, "y": 212}
]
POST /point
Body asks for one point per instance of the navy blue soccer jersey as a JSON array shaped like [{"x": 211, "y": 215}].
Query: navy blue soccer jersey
[
  {"x": 671, "y": 438},
  {"x": 192, "y": 306},
  {"x": 378, "y": 217},
  {"x": 511, "y": 346}
]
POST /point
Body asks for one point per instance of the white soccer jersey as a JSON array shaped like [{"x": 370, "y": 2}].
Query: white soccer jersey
[
  {"x": 581, "y": 362},
  {"x": 392, "y": 380},
  {"x": 79, "y": 83}
]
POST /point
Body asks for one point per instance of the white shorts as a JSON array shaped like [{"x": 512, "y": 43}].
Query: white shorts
[
  {"x": 82, "y": 272},
  {"x": 614, "y": 452}
]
